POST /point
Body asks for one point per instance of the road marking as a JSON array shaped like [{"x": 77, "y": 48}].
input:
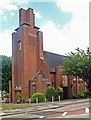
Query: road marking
[
  {"x": 86, "y": 110},
  {"x": 41, "y": 116},
  {"x": 55, "y": 106},
  {"x": 2, "y": 114},
  {"x": 64, "y": 114}
]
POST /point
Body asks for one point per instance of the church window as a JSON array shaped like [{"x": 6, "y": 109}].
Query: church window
[{"x": 20, "y": 46}]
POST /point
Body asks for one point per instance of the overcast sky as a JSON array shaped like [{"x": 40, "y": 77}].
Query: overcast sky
[{"x": 64, "y": 23}]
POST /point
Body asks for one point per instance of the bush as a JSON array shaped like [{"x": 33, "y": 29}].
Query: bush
[
  {"x": 51, "y": 92},
  {"x": 81, "y": 95},
  {"x": 6, "y": 98},
  {"x": 59, "y": 92},
  {"x": 84, "y": 94},
  {"x": 87, "y": 93},
  {"x": 23, "y": 100},
  {"x": 27, "y": 101},
  {"x": 75, "y": 96},
  {"x": 40, "y": 96},
  {"x": 6, "y": 95},
  {"x": 18, "y": 97}
]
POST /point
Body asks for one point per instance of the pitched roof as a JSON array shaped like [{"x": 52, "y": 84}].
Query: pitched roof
[{"x": 53, "y": 59}]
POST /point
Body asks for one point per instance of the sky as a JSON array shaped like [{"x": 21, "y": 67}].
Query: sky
[{"x": 64, "y": 23}]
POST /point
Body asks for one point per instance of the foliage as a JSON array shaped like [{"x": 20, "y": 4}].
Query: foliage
[
  {"x": 59, "y": 90},
  {"x": 78, "y": 64},
  {"x": 75, "y": 96},
  {"x": 39, "y": 96},
  {"x": 6, "y": 74},
  {"x": 51, "y": 92},
  {"x": 84, "y": 94},
  {"x": 19, "y": 97},
  {"x": 13, "y": 107},
  {"x": 23, "y": 100},
  {"x": 27, "y": 101},
  {"x": 6, "y": 95}
]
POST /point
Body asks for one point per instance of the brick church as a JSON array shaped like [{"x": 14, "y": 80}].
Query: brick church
[{"x": 33, "y": 69}]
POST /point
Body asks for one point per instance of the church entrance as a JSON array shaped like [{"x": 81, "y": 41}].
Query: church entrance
[{"x": 65, "y": 92}]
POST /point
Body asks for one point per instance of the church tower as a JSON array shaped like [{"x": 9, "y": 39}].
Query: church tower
[{"x": 27, "y": 52}]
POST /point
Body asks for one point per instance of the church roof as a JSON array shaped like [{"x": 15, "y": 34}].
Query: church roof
[{"x": 53, "y": 59}]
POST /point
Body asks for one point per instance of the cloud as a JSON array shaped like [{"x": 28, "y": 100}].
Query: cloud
[
  {"x": 6, "y": 43},
  {"x": 10, "y": 6},
  {"x": 37, "y": 14},
  {"x": 7, "y": 5},
  {"x": 56, "y": 39},
  {"x": 63, "y": 40},
  {"x": 74, "y": 34}
]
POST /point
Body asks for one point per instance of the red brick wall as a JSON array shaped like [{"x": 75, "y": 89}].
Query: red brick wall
[
  {"x": 14, "y": 64},
  {"x": 58, "y": 76}
]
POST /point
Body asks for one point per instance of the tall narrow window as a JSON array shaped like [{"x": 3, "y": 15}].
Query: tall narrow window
[
  {"x": 19, "y": 45},
  {"x": 34, "y": 89}
]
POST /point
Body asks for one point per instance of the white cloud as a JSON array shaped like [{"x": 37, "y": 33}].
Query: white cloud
[
  {"x": 6, "y": 43},
  {"x": 74, "y": 34},
  {"x": 10, "y": 6},
  {"x": 37, "y": 14},
  {"x": 7, "y": 5}
]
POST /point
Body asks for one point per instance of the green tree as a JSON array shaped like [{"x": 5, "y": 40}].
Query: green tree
[
  {"x": 6, "y": 72},
  {"x": 78, "y": 64}
]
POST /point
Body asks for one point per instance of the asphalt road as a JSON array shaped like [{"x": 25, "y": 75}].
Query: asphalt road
[{"x": 65, "y": 111}]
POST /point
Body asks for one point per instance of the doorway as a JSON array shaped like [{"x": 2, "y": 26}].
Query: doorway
[{"x": 65, "y": 92}]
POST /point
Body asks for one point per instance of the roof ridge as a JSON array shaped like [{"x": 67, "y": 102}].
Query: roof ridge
[{"x": 54, "y": 53}]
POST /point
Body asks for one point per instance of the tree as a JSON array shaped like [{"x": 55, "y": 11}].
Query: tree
[
  {"x": 78, "y": 64},
  {"x": 6, "y": 72}
]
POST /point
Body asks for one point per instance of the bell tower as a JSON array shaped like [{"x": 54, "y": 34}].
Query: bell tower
[{"x": 27, "y": 51}]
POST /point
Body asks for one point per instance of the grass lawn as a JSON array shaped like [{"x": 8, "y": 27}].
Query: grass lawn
[{"x": 12, "y": 107}]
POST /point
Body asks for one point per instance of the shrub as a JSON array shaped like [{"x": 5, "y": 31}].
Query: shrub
[
  {"x": 81, "y": 95},
  {"x": 87, "y": 93},
  {"x": 51, "y": 92},
  {"x": 75, "y": 96},
  {"x": 23, "y": 100},
  {"x": 59, "y": 92},
  {"x": 6, "y": 98},
  {"x": 27, "y": 101},
  {"x": 40, "y": 96},
  {"x": 84, "y": 94},
  {"x": 6, "y": 95},
  {"x": 18, "y": 97}
]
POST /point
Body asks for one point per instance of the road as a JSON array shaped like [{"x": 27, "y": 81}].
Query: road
[{"x": 74, "y": 110}]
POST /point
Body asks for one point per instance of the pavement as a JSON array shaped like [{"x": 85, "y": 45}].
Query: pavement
[{"x": 40, "y": 107}]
